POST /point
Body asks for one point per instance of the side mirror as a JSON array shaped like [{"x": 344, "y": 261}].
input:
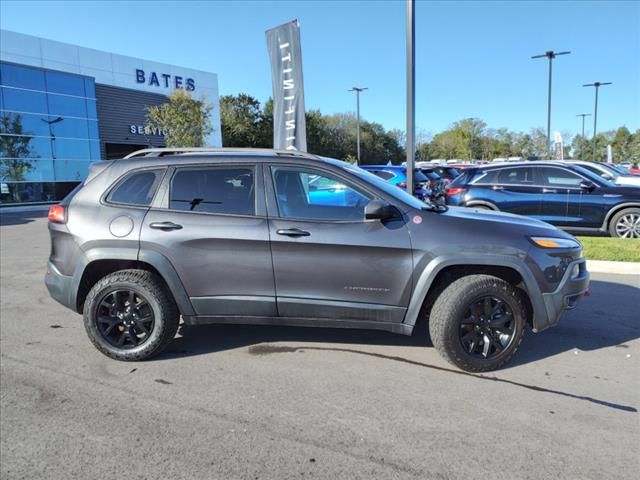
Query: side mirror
[
  {"x": 380, "y": 210},
  {"x": 587, "y": 186}
]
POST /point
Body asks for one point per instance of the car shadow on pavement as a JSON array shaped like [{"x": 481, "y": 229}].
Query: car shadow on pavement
[
  {"x": 608, "y": 318},
  {"x": 20, "y": 218}
]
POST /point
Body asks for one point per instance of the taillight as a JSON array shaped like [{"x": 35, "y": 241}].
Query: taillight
[
  {"x": 455, "y": 190},
  {"x": 57, "y": 214}
]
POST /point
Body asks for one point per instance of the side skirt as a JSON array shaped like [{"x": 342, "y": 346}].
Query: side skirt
[{"x": 399, "y": 328}]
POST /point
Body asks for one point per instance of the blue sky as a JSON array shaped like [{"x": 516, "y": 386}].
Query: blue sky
[{"x": 473, "y": 58}]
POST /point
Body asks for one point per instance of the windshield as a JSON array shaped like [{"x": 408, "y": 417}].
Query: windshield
[
  {"x": 594, "y": 177},
  {"x": 386, "y": 187}
]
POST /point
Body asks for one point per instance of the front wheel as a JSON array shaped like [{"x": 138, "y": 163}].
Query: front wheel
[
  {"x": 626, "y": 224},
  {"x": 477, "y": 322},
  {"x": 129, "y": 315}
]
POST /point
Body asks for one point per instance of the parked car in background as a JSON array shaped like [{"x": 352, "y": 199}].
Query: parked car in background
[
  {"x": 617, "y": 175},
  {"x": 397, "y": 175},
  {"x": 565, "y": 195},
  {"x": 446, "y": 172},
  {"x": 233, "y": 237}
]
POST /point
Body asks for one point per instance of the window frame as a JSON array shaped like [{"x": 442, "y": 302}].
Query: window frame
[
  {"x": 272, "y": 200},
  {"x": 166, "y": 187},
  {"x": 127, "y": 175}
]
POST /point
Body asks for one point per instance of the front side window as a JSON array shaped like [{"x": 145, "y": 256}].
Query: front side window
[
  {"x": 137, "y": 189},
  {"x": 306, "y": 194},
  {"x": 224, "y": 190},
  {"x": 559, "y": 177}
]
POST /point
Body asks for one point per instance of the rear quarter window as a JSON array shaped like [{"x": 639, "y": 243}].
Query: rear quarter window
[{"x": 137, "y": 188}]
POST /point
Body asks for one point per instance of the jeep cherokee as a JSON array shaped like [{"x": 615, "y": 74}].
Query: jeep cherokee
[{"x": 288, "y": 238}]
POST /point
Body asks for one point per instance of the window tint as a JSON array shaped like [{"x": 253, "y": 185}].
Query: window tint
[
  {"x": 137, "y": 189},
  {"x": 310, "y": 195},
  {"x": 559, "y": 177},
  {"x": 228, "y": 190},
  {"x": 516, "y": 176},
  {"x": 486, "y": 178}
]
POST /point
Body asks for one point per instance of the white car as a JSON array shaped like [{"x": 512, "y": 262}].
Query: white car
[{"x": 609, "y": 173}]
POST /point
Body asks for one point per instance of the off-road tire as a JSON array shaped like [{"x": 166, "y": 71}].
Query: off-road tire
[
  {"x": 165, "y": 311},
  {"x": 450, "y": 307}
]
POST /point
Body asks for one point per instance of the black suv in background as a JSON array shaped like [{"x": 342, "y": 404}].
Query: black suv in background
[
  {"x": 565, "y": 195},
  {"x": 269, "y": 237}
]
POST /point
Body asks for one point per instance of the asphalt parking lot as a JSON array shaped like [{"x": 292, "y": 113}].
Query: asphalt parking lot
[{"x": 247, "y": 402}]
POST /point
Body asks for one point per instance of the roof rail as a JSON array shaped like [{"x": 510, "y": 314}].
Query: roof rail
[{"x": 162, "y": 152}]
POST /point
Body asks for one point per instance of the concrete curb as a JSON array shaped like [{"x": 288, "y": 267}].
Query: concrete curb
[{"x": 622, "y": 268}]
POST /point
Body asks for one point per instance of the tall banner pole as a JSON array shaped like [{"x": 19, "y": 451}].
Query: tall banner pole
[
  {"x": 285, "y": 54},
  {"x": 411, "y": 98}
]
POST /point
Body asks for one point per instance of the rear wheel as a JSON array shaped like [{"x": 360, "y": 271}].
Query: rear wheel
[
  {"x": 129, "y": 315},
  {"x": 478, "y": 322},
  {"x": 625, "y": 224}
]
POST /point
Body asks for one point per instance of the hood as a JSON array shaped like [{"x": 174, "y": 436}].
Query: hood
[{"x": 496, "y": 217}]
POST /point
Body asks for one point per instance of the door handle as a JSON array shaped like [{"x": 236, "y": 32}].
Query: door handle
[
  {"x": 165, "y": 226},
  {"x": 497, "y": 188},
  {"x": 292, "y": 232},
  {"x": 549, "y": 190}
]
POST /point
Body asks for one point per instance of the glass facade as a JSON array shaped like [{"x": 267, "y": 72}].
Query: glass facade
[{"x": 48, "y": 133}]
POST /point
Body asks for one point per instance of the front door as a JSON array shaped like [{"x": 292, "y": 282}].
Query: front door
[
  {"x": 213, "y": 229},
  {"x": 565, "y": 203},
  {"x": 329, "y": 262}
]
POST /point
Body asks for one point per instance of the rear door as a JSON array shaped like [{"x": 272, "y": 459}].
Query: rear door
[
  {"x": 512, "y": 189},
  {"x": 211, "y": 224},
  {"x": 329, "y": 262}
]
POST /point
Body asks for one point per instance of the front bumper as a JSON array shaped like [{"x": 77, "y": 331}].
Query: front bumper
[
  {"x": 59, "y": 286},
  {"x": 572, "y": 287}
]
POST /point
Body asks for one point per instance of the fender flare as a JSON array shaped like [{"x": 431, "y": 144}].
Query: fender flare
[
  {"x": 436, "y": 265},
  {"x": 155, "y": 259}
]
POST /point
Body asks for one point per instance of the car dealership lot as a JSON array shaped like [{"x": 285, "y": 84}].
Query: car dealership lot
[{"x": 273, "y": 402}]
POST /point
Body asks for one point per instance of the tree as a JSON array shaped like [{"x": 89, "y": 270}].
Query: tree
[
  {"x": 184, "y": 120},
  {"x": 15, "y": 150},
  {"x": 244, "y": 124}
]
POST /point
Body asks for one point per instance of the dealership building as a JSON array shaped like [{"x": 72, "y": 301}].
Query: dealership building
[{"x": 64, "y": 106}]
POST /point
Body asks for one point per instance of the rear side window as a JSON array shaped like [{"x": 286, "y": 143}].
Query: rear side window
[
  {"x": 137, "y": 189},
  {"x": 227, "y": 190}
]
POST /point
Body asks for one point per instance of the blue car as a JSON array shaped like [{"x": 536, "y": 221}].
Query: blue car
[
  {"x": 565, "y": 195},
  {"x": 397, "y": 175}
]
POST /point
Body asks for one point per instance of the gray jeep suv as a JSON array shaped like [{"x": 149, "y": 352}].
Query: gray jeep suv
[{"x": 288, "y": 238}]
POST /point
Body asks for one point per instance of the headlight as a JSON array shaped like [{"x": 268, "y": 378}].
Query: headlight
[{"x": 552, "y": 242}]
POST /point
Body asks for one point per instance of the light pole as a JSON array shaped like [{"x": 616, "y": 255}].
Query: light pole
[
  {"x": 411, "y": 94},
  {"x": 583, "y": 115},
  {"x": 358, "y": 90},
  {"x": 550, "y": 54},
  {"x": 597, "y": 85}
]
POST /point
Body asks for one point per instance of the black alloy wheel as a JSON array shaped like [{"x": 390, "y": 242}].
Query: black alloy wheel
[
  {"x": 125, "y": 318},
  {"x": 487, "y": 327}
]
